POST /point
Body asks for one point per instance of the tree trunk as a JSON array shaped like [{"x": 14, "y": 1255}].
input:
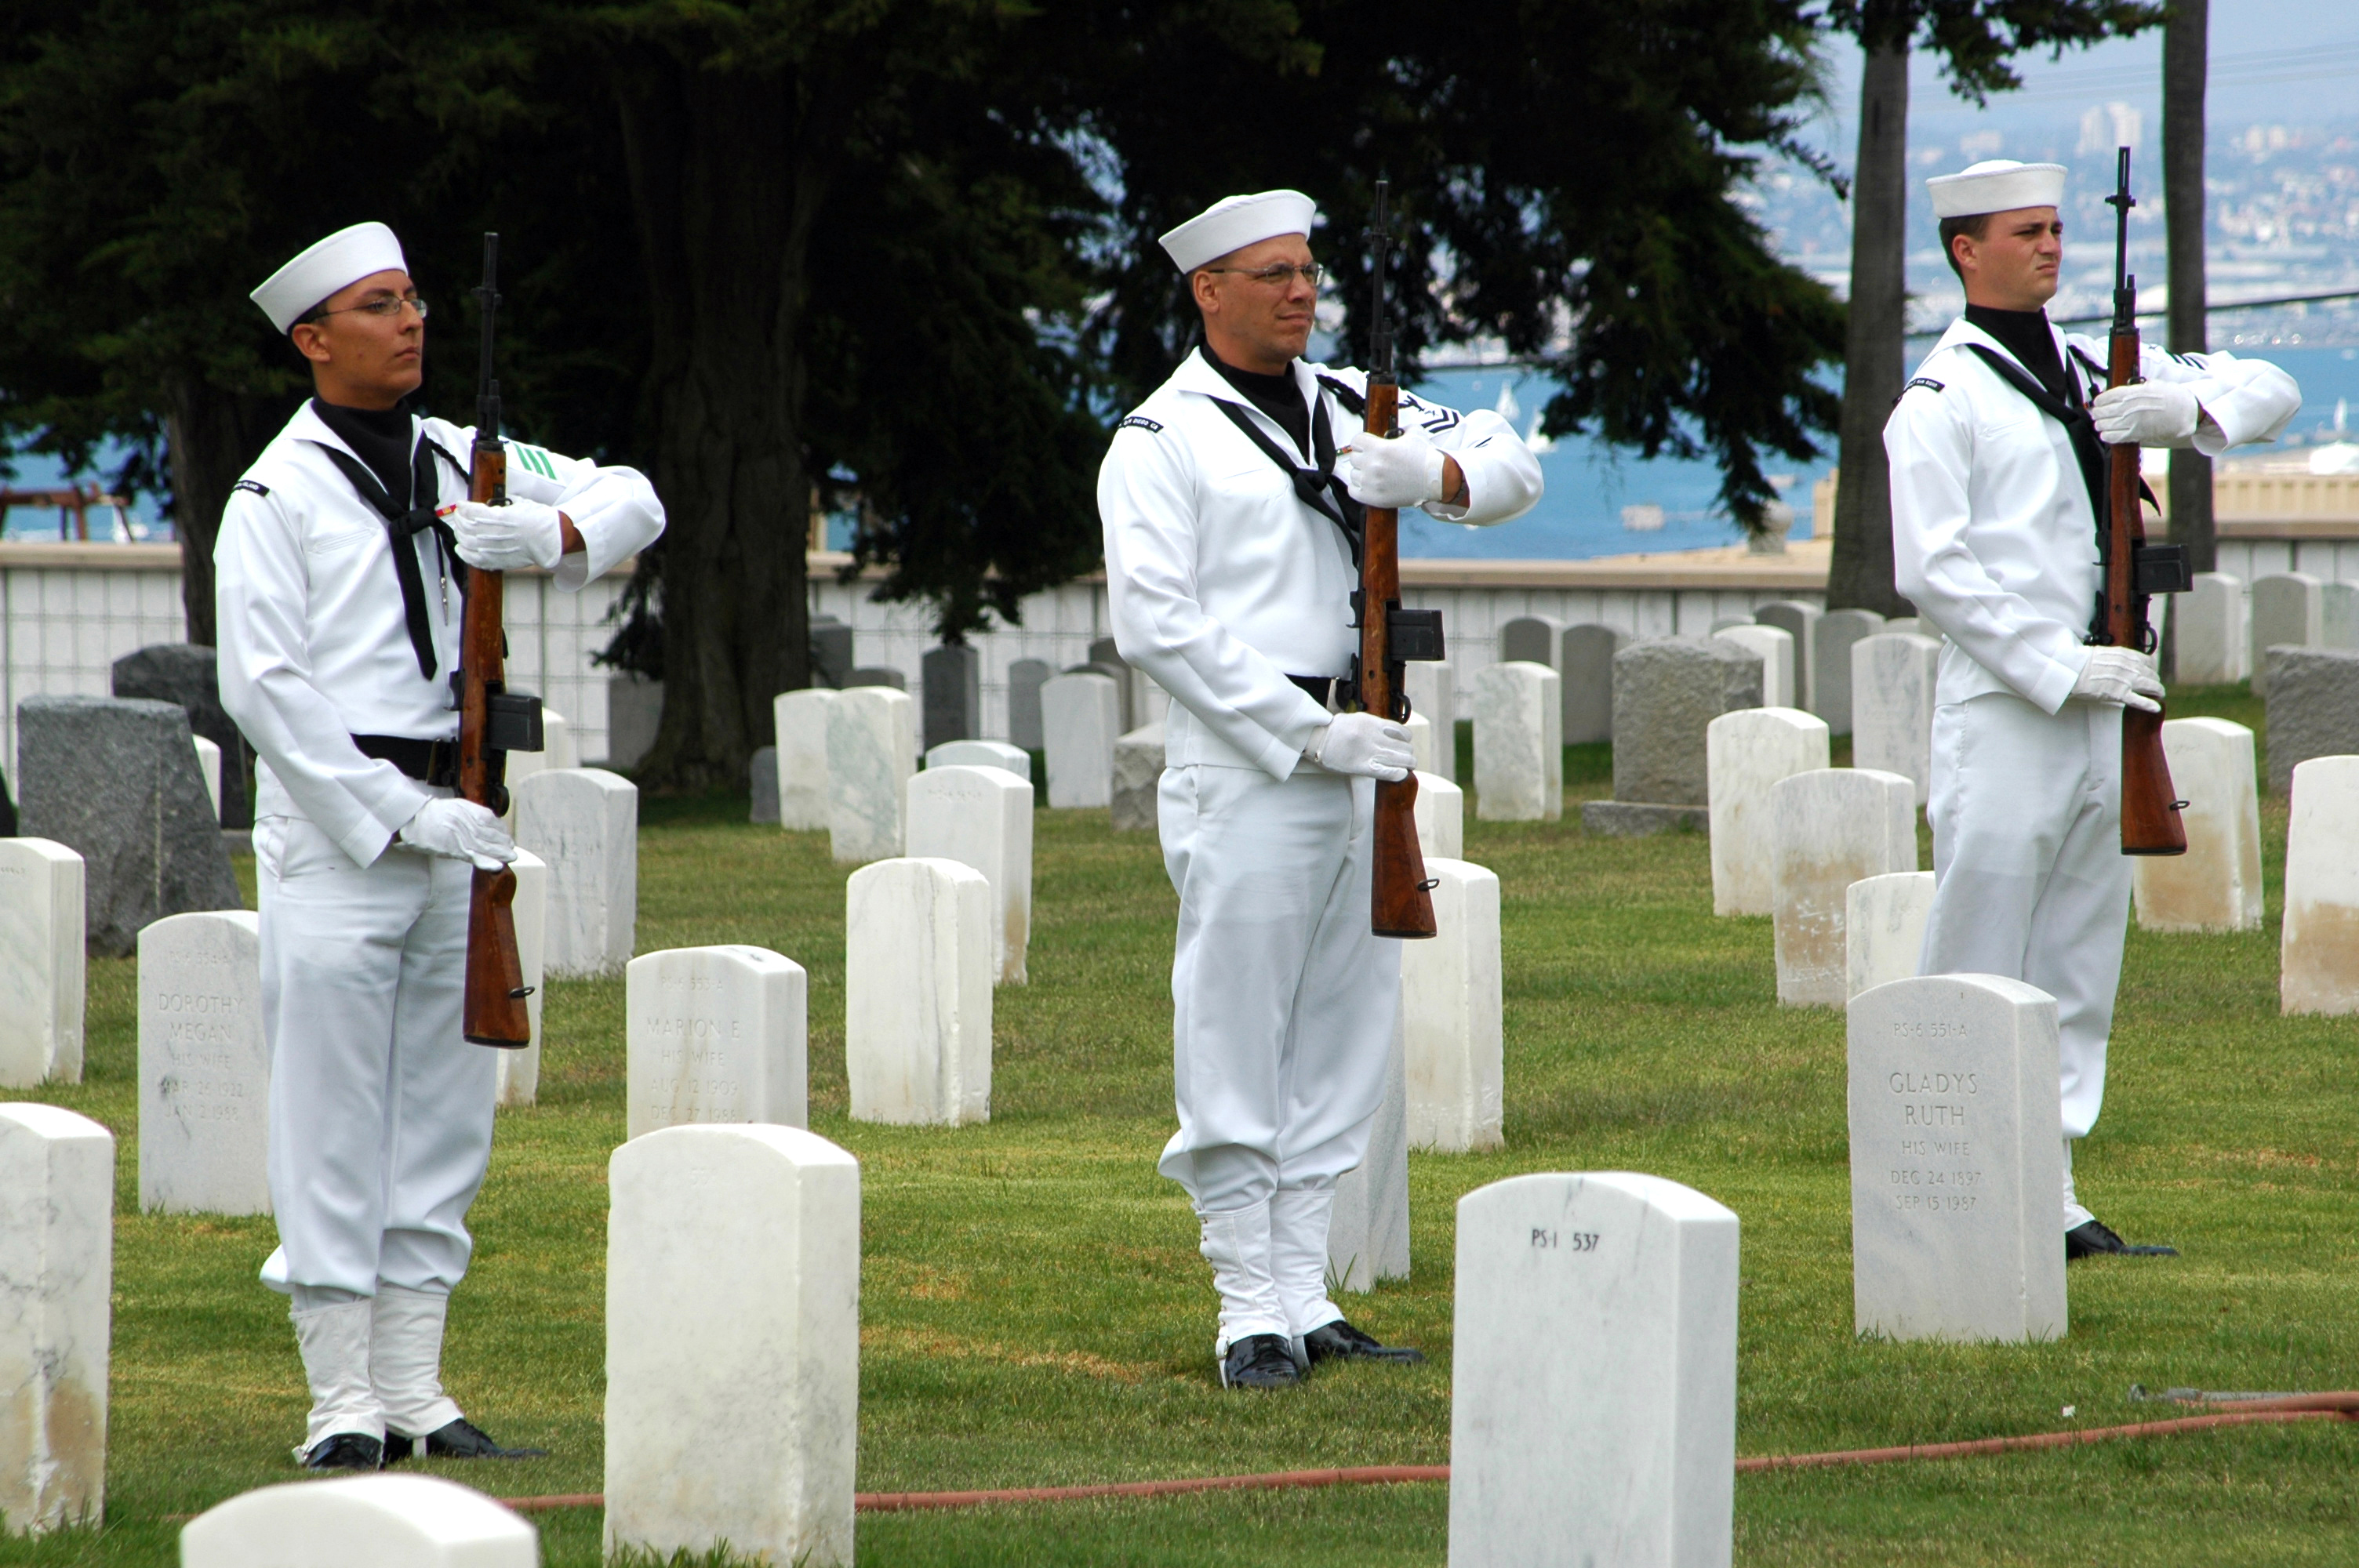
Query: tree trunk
[
  {"x": 215, "y": 436},
  {"x": 725, "y": 186},
  {"x": 2185, "y": 48},
  {"x": 1860, "y": 575}
]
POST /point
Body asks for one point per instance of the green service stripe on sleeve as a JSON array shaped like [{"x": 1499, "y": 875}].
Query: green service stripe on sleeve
[{"x": 535, "y": 459}]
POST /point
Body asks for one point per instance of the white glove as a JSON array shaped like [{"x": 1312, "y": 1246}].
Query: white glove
[
  {"x": 502, "y": 539},
  {"x": 2120, "y": 675},
  {"x": 458, "y": 830},
  {"x": 1405, "y": 471},
  {"x": 2145, "y": 414},
  {"x": 1363, "y": 744}
]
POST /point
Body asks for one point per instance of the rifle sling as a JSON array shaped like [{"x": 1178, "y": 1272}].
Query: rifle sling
[{"x": 403, "y": 525}]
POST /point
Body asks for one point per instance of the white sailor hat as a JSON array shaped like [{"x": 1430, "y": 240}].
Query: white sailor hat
[
  {"x": 345, "y": 256},
  {"x": 1997, "y": 185},
  {"x": 1236, "y": 222}
]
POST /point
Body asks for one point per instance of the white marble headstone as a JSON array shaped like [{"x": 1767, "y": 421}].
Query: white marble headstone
[
  {"x": 1452, "y": 1015},
  {"x": 555, "y": 752},
  {"x": 1883, "y": 928},
  {"x": 1421, "y": 741},
  {"x": 204, "y": 1072},
  {"x": 1367, "y": 1229},
  {"x": 516, "y": 1076},
  {"x": 2216, "y": 885},
  {"x": 2318, "y": 962},
  {"x": 918, "y": 966},
  {"x": 981, "y": 754},
  {"x": 716, "y": 1034},
  {"x": 872, "y": 750},
  {"x": 2213, "y": 646},
  {"x": 382, "y": 1520},
  {"x": 1829, "y": 829},
  {"x": 1080, "y": 722},
  {"x": 1746, "y": 755},
  {"x": 57, "y": 1262},
  {"x": 982, "y": 817},
  {"x": 2286, "y": 609},
  {"x": 209, "y": 763},
  {"x": 1518, "y": 753},
  {"x": 1775, "y": 647},
  {"x": 1892, "y": 706},
  {"x": 799, "y": 722},
  {"x": 1829, "y": 683},
  {"x": 1593, "y": 1394},
  {"x": 1433, "y": 691},
  {"x": 1441, "y": 812},
  {"x": 42, "y": 971},
  {"x": 733, "y": 1343},
  {"x": 584, "y": 822},
  {"x": 1957, "y": 1173}
]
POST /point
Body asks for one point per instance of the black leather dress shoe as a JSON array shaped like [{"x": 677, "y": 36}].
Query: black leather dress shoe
[
  {"x": 1260, "y": 1361},
  {"x": 2094, "y": 1238},
  {"x": 345, "y": 1451},
  {"x": 462, "y": 1439},
  {"x": 1339, "y": 1341}
]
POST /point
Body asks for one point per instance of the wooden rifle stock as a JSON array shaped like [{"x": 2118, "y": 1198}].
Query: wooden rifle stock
[
  {"x": 495, "y": 1012},
  {"x": 2151, "y": 819}
]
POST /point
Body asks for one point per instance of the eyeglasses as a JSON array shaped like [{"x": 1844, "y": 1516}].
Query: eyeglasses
[
  {"x": 1281, "y": 275},
  {"x": 384, "y": 309}
]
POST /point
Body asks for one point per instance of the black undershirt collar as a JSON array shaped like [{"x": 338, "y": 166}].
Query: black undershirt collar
[
  {"x": 2025, "y": 335},
  {"x": 1276, "y": 395},
  {"x": 381, "y": 438}
]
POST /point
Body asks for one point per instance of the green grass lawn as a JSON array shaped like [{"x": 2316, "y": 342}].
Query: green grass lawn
[{"x": 1034, "y": 1310}]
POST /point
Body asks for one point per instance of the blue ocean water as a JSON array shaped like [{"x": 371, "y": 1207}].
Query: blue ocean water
[{"x": 1589, "y": 484}]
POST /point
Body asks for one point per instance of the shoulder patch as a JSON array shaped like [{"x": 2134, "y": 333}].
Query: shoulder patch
[
  {"x": 247, "y": 484},
  {"x": 1924, "y": 381},
  {"x": 1140, "y": 422}
]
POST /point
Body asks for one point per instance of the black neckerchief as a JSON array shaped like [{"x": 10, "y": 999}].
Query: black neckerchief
[
  {"x": 2027, "y": 335},
  {"x": 1317, "y": 488},
  {"x": 2072, "y": 415},
  {"x": 404, "y": 523},
  {"x": 381, "y": 437},
  {"x": 1276, "y": 395}
]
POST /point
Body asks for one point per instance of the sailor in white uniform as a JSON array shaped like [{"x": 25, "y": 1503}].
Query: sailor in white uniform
[
  {"x": 1996, "y": 467},
  {"x": 338, "y": 595},
  {"x": 1229, "y": 500}
]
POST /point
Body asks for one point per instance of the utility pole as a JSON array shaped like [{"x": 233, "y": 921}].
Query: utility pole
[{"x": 2186, "y": 49}]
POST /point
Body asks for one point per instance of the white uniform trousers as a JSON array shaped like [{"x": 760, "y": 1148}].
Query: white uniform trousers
[
  {"x": 2029, "y": 878},
  {"x": 380, "y": 1111},
  {"x": 1283, "y": 1002}
]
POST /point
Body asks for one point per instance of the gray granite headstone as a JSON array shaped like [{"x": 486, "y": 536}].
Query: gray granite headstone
[
  {"x": 186, "y": 673},
  {"x": 1587, "y": 673},
  {"x": 830, "y": 651},
  {"x": 2338, "y": 615},
  {"x": 1107, "y": 660},
  {"x": 2313, "y": 708},
  {"x": 116, "y": 780},
  {"x": 1667, "y": 692},
  {"x": 1830, "y": 664},
  {"x": 952, "y": 675},
  {"x": 634, "y": 716},
  {"x": 1533, "y": 640},
  {"x": 1800, "y": 621},
  {"x": 1025, "y": 679},
  {"x": 877, "y": 675},
  {"x": 763, "y": 775}
]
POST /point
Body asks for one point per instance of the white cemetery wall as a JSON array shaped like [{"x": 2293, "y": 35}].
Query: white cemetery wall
[
  {"x": 733, "y": 1343},
  {"x": 983, "y": 817},
  {"x": 1892, "y": 706},
  {"x": 1080, "y": 722},
  {"x": 800, "y": 719},
  {"x": 2318, "y": 960},
  {"x": 1367, "y": 1229},
  {"x": 1883, "y": 928},
  {"x": 1829, "y": 830},
  {"x": 57, "y": 1263},
  {"x": 2286, "y": 609},
  {"x": 1433, "y": 691},
  {"x": 1518, "y": 756},
  {"x": 1452, "y": 1015},
  {"x": 205, "y": 1071},
  {"x": 1746, "y": 752},
  {"x": 1774, "y": 648},
  {"x": 2338, "y": 615},
  {"x": 981, "y": 754},
  {"x": 584, "y": 822},
  {"x": 360, "y": 1521},
  {"x": 2216, "y": 885},
  {"x": 2213, "y": 646},
  {"x": 1957, "y": 1149},
  {"x": 918, "y": 963},
  {"x": 872, "y": 751},
  {"x": 516, "y": 1076},
  {"x": 1565, "y": 1453},
  {"x": 1441, "y": 811},
  {"x": 715, "y": 1034},
  {"x": 42, "y": 967}
]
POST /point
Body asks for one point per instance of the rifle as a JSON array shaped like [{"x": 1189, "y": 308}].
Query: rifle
[
  {"x": 493, "y": 721},
  {"x": 2134, "y": 571},
  {"x": 1403, "y": 901}
]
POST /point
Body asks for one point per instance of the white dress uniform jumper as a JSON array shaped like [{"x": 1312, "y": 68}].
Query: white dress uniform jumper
[
  {"x": 338, "y": 629},
  {"x": 1995, "y": 541},
  {"x": 1226, "y": 575}
]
